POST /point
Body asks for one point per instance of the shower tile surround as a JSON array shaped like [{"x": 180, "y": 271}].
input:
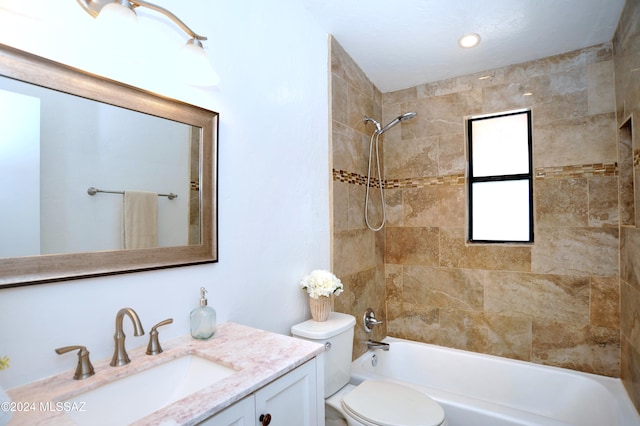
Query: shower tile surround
[
  {"x": 557, "y": 301},
  {"x": 626, "y": 45}
]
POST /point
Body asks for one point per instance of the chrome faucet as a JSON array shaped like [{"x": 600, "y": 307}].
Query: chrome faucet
[
  {"x": 372, "y": 344},
  {"x": 120, "y": 356}
]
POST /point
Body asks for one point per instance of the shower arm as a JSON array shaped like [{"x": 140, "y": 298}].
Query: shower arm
[{"x": 375, "y": 122}]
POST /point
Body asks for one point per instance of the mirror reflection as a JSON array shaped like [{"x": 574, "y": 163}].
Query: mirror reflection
[
  {"x": 56, "y": 146},
  {"x": 87, "y": 165}
]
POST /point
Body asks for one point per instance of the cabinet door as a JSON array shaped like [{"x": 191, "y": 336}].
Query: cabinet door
[
  {"x": 242, "y": 413},
  {"x": 290, "y": 400}
]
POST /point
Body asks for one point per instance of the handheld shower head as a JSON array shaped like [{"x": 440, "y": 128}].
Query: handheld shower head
[
  {"x": 403, "y": 117},
  {"x": 407, "y": 115}
]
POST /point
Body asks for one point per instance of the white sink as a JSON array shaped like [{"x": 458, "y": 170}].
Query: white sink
[{"x": 133, "y": 397}]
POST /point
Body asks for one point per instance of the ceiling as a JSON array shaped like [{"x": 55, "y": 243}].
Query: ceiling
[{"x": 404, "y": 43}]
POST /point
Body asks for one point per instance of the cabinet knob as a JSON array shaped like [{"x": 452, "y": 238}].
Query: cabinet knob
[{"x": 265, "y": 419}]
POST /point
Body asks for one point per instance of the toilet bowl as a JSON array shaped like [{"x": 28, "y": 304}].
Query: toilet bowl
[{"x": 373, "y": 402}]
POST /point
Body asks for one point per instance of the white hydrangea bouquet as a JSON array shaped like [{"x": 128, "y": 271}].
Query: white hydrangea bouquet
[{"x": 321, "y": 283}]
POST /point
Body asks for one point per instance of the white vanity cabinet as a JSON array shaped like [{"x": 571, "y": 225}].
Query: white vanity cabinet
[
  {"x": 242, "y": 413},
  {"x": 293, "y": 399}
]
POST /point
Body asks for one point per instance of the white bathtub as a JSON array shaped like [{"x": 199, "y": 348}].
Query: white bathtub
[{"x": 485, "y": 390}]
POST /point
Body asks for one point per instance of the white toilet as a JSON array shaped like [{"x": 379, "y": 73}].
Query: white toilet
[{"x": 373, "y": 402}]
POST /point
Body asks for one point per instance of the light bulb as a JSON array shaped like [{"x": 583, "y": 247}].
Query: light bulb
[
  {"x": 469, "y": 40},
  {"x": 117, "y": 25},
  {"x": 115, "y": 31},
  {"x": 115, "y": 15},
  {"x": 195, "y": 65}
]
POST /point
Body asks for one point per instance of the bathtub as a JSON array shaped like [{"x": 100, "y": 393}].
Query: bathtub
[{"x": 485, "y": 390}]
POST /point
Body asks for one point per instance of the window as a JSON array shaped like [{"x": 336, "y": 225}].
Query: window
[{"x": 500, "y": 178}]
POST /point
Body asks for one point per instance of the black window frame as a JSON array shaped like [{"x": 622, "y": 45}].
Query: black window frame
[{"x": 499, "y": 178}]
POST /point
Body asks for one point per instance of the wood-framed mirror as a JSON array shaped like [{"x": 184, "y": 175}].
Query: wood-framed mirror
[{"x": 64, "y": 134}]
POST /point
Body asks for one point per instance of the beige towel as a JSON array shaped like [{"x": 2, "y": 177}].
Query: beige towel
[{"x": 140, "y": 220}]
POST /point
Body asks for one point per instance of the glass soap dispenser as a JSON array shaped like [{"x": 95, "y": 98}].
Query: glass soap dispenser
[{"x": 203, "y": 319}]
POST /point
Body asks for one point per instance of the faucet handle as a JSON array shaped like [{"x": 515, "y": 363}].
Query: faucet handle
[
  {"x": 84, "y": 368},
  {"x": 154, "y": 348}
]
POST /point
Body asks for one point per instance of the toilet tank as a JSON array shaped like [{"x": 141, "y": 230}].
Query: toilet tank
[{"x": 336, "y": 335}]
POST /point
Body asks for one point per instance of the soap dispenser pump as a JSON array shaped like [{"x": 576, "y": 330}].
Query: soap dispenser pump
[{"x": 203, "y": 319}]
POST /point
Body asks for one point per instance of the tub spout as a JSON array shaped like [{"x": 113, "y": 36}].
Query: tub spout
[{"x": 372, "y": 344}]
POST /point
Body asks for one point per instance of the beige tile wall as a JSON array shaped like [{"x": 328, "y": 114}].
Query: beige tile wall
[
  {"x": 554, "y": 302},
  {"x": 626, "y": 44},
  {"x": 357, "y": 257}
]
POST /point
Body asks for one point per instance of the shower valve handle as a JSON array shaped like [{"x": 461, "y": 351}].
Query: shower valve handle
[{"x": 370, "y": 320}]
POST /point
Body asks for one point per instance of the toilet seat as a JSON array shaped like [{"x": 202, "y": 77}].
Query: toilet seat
[{"x": 381, "y": 403}]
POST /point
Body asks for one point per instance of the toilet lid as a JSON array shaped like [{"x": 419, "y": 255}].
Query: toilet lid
[{"x": 391, "y": 404}]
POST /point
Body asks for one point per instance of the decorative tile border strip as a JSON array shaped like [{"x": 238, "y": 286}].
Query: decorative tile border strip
[
  {"x": 421, "y": 182},
  {"x": 578, "y": 171},
  {"x": 417, "y": 182},
  {"x": 353, "y": 178}
]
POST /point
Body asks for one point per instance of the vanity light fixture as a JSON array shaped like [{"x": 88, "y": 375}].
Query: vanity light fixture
[
  {"x": 469, "y": 40},
  {"x": 193, "y": 56}
]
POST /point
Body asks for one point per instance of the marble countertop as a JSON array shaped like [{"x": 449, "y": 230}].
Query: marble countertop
[{"x": 258, "y": 356}]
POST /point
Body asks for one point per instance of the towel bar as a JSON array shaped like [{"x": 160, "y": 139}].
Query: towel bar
[{"x": 94, "y": 191}]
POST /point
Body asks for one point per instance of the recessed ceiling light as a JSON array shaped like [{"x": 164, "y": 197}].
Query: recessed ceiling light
[{"x": 469, "y": 40}]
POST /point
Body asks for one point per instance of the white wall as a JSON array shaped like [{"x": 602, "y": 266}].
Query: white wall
[{"x": 273, "y": 178}]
